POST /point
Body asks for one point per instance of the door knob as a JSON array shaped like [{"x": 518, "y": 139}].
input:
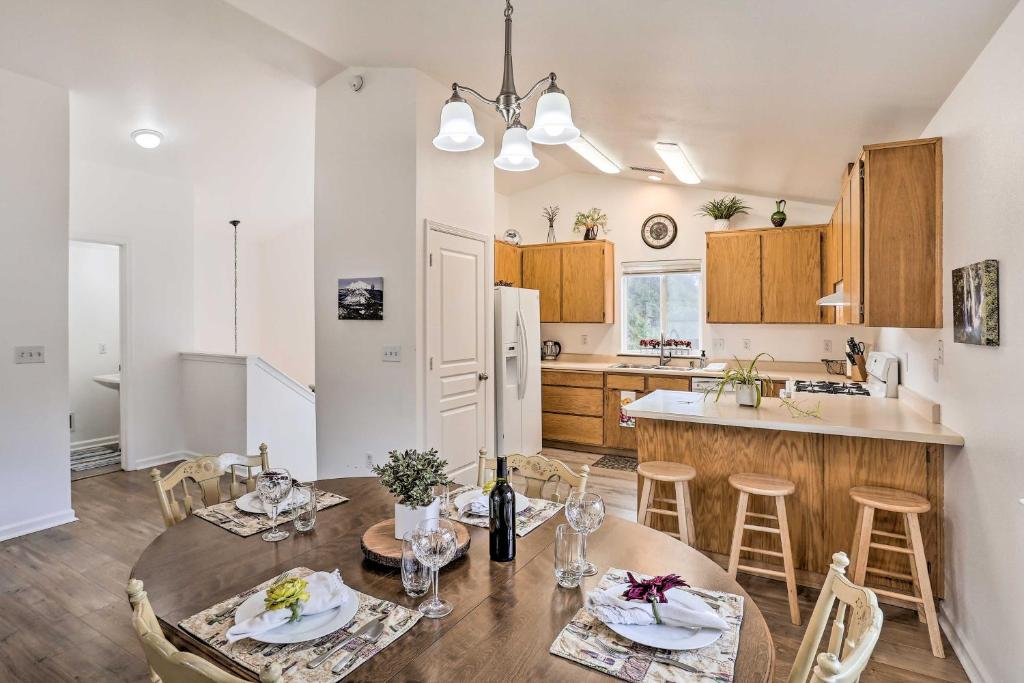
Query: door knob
[{"x": 483, "y": 376}]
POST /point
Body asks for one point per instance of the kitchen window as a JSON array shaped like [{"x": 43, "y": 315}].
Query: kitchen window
[{"x": 661, "y": 297}]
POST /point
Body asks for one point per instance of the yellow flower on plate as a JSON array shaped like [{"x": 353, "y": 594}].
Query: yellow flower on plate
[{"x": 287, "y": 594}]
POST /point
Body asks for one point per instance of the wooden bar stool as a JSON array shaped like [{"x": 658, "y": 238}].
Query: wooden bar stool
[
  {"x": 908, "y": 505},
  {"x": 772, "y": 487},
  {"x": 677, "y": 474}
]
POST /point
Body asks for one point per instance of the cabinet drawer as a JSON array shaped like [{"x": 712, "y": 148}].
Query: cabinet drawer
[
  {"x": 573, "y": 428},
  {"x": 629, "y": 382},
  {"x": 672, "y": 383},
  {"x": 572, "y": 400},
  {"x": 569, "y": 378}
]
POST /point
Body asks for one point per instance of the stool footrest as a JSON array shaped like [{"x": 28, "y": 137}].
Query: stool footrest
[
  {"x": 664, "y": 500},
  {"x": 892, "y": 548},
  {"x": 773, "y": 553},
  {"x": 659, "y": 511},
  {"x": 758, "y": 571},
  {"x": 898, "y": 596},
  {"x": 889, "y": 534},
  {"x": 764, "y": 529},
  {"x": 761, "y": 515},
  {"x": 888, "y": 574}
]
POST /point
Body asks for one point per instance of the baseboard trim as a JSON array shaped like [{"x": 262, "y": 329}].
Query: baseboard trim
[
  {"x": 963, "y": 651},
  {"x": 29, "y": 526},
  {"x": 99, "y": 441},
  {"x": 162, "y": 459}
]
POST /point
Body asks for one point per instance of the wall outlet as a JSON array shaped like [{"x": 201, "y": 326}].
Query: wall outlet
[
  {"x": 369, "y": 461},
  {"x": 827, "y": 346},
  {"x": 718, "y": 345},
  {"x": 392, "y": 354},
  {"x": 584, "y": 339},
  {"x": 101, "y": 349},
  {"x": 29, "y": 354},
  {"x": 940, "y": 353},
  {"x": 746, "y": 344}
]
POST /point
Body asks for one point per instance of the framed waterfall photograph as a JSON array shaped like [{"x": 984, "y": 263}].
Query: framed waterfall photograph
[
  {"x": 361, "y": 298},
  {"x": 976, "y": 303}
]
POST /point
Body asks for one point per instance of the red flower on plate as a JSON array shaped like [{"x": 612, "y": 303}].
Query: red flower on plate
[{"x": 653, "y": 589}]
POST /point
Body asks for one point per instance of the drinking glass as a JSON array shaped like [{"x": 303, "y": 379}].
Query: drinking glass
[
  {"x": 434, "y": 543},
  {"x": 304, "y": 494},
  {"x": 273, "y": 487},
  {"x": 440, "y": 491},
  {"x": 416, "y": 576},
  {"x": 585, "y": 513},
  {"x": 568, "y": 556}
]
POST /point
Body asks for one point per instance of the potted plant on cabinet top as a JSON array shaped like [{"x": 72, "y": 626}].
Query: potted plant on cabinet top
[
  {"x": 590, "y": 222},
  {"x": 409, "y": 477},
  {"x": 746, "y": 382},
  {"x": 551, "y": 213},
  {"x": 722, "y": 210}
]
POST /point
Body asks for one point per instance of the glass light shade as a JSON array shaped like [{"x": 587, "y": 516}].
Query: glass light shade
[
  {"x": 146, "y": 138},
  {"x": 516, "y": 151},
  {"x": 458, "y": 129},
  {"x": 553, "y": 123}
]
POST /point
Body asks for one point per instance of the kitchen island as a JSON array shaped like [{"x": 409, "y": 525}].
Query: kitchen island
[{"x": 857, "y": 441}]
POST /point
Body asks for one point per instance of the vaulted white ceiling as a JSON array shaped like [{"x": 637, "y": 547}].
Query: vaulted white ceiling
[{"x": 767, "y": 97}]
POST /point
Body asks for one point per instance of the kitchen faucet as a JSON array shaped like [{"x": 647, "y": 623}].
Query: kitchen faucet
[{"x": 661, "y": 352}]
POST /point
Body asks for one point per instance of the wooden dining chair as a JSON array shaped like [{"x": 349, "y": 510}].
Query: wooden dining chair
[
  {"x": 855, "y": 630},
  {"x": 167, "y": 664},
  {"x": 206, "y": 472},
  {"x": 538, "y": 471}
]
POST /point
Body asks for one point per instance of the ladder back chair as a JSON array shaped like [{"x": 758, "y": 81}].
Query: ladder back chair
[
  {"x": 167, "y": 664},
  {"x": 854, "y": 633},
  {"x": 206, "y": 473},
  {"x": 538, "y": 471}
]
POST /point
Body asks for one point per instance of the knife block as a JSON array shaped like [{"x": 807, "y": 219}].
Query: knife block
[{"x": 858, "y": 370}]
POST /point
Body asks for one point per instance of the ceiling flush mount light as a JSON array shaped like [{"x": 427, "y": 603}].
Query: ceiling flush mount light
[
  {"x": 654, "y": 177},
  {"x": 673, "y": 156},
  {"x": 146, "y": 138},
  {"x": 592, "y": 154},
  {"x": 552, "y": 125}
]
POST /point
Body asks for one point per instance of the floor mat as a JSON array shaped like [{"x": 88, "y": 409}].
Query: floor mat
[
  {"x": 95, "y": 457},
  {"x": 616, "y": 462}
]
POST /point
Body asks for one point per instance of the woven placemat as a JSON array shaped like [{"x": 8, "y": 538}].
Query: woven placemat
[{"x": 242, "y": 523}]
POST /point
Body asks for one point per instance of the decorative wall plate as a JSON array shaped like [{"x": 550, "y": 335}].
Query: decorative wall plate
[
  {"x": 512, "y": 236},
  {"x": 658, "y": 231}
]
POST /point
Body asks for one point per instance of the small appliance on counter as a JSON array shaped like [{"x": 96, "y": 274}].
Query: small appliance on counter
[
  {"x": 549, "y": 350},
  {"x": 883, "y": 371}
]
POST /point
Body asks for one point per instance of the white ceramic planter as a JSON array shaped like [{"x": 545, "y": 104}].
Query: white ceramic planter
[
  {"x": 746, "y": 395},
  {"x": 720, "y": 224},
  {"x": 406, "y": 518}
]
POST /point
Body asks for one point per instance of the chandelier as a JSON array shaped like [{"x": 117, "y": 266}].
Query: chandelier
[{"x": 552, "y": 124}]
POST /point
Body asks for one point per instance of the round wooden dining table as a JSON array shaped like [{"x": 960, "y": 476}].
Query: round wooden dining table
[{"x": 505, "y": 617}]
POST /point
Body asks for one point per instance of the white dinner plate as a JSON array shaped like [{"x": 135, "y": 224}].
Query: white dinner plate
[
  {"x": 467, "y": 497},
  {"x": 306, "y": 628},
  {"x": 251, "y": 502},
  {"x": 670, "y": 637}
]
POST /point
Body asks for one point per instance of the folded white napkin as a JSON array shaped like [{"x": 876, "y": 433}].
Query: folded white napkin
[
  {"x": 326, "y": 591},
  {"x": 478, "y": 506},
  {"x": 682, "y": 609}
]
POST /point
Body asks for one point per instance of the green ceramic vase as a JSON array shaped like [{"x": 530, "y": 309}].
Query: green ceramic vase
[{"x": 779, "y": 217}]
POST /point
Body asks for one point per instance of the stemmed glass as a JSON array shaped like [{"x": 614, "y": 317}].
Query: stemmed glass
[
  {"x": 273, "y": 488},
  {"x": 585, "y": 513},
  {"x": 434, "y": 543}
]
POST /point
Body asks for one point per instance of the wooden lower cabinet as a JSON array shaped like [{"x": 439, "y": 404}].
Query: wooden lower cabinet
[
  {"x": 579, "y": 429},
  {"x": 615, "y": 435},
  {"x": 571, "y": 378},
  {"x": 669, "y": 383},
  {"x": 572, "y": 400}
]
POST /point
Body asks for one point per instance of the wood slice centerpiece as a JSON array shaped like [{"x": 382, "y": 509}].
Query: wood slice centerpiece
[{"x": 380, "y": 545}]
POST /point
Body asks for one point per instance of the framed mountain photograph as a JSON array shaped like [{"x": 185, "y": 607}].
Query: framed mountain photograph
[
  {"x": 976, "y": 303},
  {"x": 361, "y": 298}
]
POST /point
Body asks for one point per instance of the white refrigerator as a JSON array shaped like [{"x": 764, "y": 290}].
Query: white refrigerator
[{"x": 517, "y": 366}]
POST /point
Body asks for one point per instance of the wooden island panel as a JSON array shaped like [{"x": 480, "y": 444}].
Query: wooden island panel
[{"x": 821, "y": 512}]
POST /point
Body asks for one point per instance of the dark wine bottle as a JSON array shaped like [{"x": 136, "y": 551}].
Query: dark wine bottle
[{"x": 503, "y": 516}]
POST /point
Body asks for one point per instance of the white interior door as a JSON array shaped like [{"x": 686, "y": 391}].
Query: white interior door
[{"x": 456, "y": 324}]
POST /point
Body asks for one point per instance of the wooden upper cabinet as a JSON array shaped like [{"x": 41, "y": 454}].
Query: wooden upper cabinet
[
  {"x": 734, "y": 277},
  {"x": 576, "y": 280},
  {"x": 542, "y": 270},
  {"x": 508, "y": 263},
  {"x": 588, "y": 287},
  {"x": 791, "y": 267}
]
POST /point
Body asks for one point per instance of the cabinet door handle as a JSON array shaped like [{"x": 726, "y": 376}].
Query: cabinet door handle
[{"x": 482, "y": 376}]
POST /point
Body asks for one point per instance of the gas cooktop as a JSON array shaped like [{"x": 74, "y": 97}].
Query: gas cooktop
[{"x": 826, "y": 387}]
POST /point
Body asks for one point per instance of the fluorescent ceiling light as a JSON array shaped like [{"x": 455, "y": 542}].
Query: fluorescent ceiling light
[
  {"x": 654, "y": 177},
  {"x": 146, "y": 138},
  {"x": 586, "y": 150},
  {"x": 673, "y": 156}
]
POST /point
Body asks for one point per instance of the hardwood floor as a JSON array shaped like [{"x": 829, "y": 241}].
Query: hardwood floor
[{"x": 65, "y": 616}]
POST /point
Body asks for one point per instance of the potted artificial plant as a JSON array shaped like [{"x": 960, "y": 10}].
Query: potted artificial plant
[
  {"x": 746, "y": 382},
  {"x": 409, "y": 477},
  {"x": 590, "y": 222},
  {"x": 722, "y": 210}
]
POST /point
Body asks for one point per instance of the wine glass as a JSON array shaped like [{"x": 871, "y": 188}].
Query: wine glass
[
  {"x": 273, "y": 488},
  {"x": 434, "y": 543},
  {"x": 585, "y": 513}
]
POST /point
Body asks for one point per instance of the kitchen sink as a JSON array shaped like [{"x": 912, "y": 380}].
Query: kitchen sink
[{"x": 638, "y": 366}]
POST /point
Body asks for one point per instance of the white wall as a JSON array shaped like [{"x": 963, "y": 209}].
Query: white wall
[
  {"x": 978, "y": 387},
  {"x": 94, "y": 280},
  {"x": 34, "y": 439},
  {"x": 377, "y": 178},
  {"x": 628, "y": 203},
  {"x": 286, "y": 298},
  {"x": 152, "y": 216}
]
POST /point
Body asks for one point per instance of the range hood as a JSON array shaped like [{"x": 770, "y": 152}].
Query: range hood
[{"x": 836, "y": 298}]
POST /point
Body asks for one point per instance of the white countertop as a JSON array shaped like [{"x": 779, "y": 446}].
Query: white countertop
[
  {"x": 803, "y": 371},
  {"x": 862, "y": 416}
]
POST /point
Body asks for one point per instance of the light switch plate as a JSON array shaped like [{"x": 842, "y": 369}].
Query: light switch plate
[
  {"x": 718, "y": 344},
  {"x": 29, "y": 354},
  {"x": 746, "y": 344},
  {"x": 828, "y": 346},
  {"x": 392, "y": 354}
]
